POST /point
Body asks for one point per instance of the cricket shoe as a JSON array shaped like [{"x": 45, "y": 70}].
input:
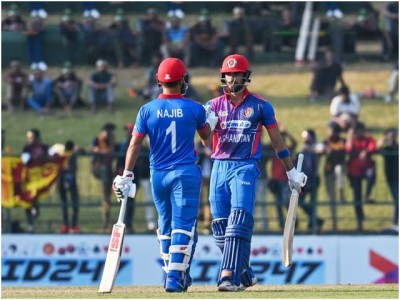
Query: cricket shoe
[
  {"x": 227, "y": 285},
  {"x": 243, "y": 287},
  {"x": 174, "y": 285}
]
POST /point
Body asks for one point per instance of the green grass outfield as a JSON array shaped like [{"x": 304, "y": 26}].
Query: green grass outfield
[{"x": 371, "y": 291}]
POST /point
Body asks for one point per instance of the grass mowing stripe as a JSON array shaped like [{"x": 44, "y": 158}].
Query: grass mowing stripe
[{"x": 370, "y": 291}]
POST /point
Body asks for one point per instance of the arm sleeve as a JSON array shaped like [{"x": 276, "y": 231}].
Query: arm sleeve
[
  {"x": 269, "y": 120},
  {"x": 141, "y": 125},
  {"x": 201, "y": 120}
]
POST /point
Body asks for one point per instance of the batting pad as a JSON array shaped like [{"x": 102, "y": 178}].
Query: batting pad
[
  {"x": 237, "y": 243},
  {"x": 165, "y": 242},
  {"x": 218, "y": 227}
]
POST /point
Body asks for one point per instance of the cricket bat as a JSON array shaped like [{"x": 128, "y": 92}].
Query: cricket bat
[
  {"x": 111, "y": 266},
  {"x": 288, "y": 232}
]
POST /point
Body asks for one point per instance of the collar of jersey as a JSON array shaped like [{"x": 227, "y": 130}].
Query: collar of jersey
[
  {"x": 245, "y": 94},
  {"x": 168, "y": 96}
]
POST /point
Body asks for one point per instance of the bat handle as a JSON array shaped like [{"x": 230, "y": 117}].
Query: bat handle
[
  {"x": 122, "y": 210},
  {"x": 300, "y": 162}
]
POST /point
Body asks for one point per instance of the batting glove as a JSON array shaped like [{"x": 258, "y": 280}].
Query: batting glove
[
  {"x": 297, "y": 180},
  {"x": 211, "y": 117},
  {"x": 123, "y": 185}
]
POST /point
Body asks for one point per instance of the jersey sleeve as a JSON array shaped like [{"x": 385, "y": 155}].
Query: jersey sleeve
[
  {"x": 269, "y": 120},
  {"x": 141, "y": 124},
  {"x": 201, "y": 121}
]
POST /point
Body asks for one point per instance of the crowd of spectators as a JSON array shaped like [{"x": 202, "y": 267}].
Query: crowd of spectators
[
  {"x": 347, "y": 147},
  {"x": 200, "y": 42},
  {"x": 348, "y": 153}
]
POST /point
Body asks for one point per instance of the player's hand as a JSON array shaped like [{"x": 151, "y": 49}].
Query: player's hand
[
  {"x": 124, "y": 185},
  {"x": 211, "y": 117},
  {"x": 297, "y": 180}
]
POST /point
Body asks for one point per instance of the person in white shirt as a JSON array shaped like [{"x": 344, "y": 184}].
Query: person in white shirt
[{"x": 345, "y": 108}]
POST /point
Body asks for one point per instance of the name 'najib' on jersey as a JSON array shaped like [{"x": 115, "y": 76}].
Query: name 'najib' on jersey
[
  {"x": 171, "y": 125},
  {"x": 238, "y": 133}
]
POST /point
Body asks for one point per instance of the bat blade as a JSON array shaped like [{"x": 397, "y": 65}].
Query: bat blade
[
  {"x": 113, "y": 259},
  {"x": 288, "y": 232}
]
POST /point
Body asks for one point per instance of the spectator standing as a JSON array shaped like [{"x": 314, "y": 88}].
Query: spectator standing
[
  {"x": 360, "y": 165},
  {"x": 325, "y": 75},
  {"x": 236, "y": 150},
  {"x": 124, "y": 40},
  {"x": 89, "y": 8},
  {"x": 34, "y": 152},
  {"x": 240, "y": 33},
  {"x": 175, "y": 177},
  {"x": 310, "y": 168},
  {"x": 206, "y": 49},
  {"x": 38, "y": 9},
  {"x": 17, "y": 86},
  {"x": 391, "y": 31},
  {"x": 40, "y": 86},
  {"x": 97, "y": 38},
  {"x": 67, "y": 185},
  {"x": 102, "y": 149},
  {"x": 13, "y": 22},
  {"x": 70, "y": 31},
  {"x": 101, "y": 86},
  {"x": 34, "y": 33},
  {"x": 345, "y": 109},
  {"x": 334, "y": 169},
  {"x": 67, "y": 88},
  {"x": 150, "y": 29},
  {"x": 389, "y": 148},
  {"x": 176, "y": 40}
]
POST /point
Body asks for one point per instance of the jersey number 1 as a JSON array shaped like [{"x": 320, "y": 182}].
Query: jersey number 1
[{"x": 172, "y": 130}]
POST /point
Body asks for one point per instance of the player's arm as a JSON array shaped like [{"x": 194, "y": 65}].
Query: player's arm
[
  {"x": 279, "y": 145},
  {"x": 125, "y": 184},
  {"x": 297, "y": 180},
  {"x": 133, "y": 151}
]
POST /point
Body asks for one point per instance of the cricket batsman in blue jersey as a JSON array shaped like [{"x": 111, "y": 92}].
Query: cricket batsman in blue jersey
[
  {"x": 171, "y": 122},
  {"x": 236, "y": 150}
]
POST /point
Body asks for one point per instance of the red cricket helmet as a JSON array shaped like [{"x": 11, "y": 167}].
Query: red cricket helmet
[
  {"x": 235, "y": 63},
  {"x": 170, "y": 70}
]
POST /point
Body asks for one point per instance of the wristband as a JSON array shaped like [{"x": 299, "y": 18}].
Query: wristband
[{"x": 282, "y": 154}]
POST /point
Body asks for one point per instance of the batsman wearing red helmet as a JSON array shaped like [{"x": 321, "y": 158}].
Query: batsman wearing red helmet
[
  {"x": 171, "y": 121},
  {"x": 236, "y": 151}
]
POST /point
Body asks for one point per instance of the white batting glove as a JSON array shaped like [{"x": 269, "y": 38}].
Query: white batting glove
[
  {"x": 297, "y": 180},
  {"x": 123, "y": 185},
  {"x": 211, "y": 117}
]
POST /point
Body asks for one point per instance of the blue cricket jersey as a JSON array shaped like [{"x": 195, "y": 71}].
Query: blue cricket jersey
[
  {"x": 171, "y": 122},
  {"x": 238, "y": 132}
]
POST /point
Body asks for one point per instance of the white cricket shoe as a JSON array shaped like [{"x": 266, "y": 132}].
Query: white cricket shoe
[
  {"x": 242, "y": 287},
  {"x": 227, "y": 286}
]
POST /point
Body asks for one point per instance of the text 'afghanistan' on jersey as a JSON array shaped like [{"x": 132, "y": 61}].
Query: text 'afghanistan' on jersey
[{"x": 238, "y": 132}]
